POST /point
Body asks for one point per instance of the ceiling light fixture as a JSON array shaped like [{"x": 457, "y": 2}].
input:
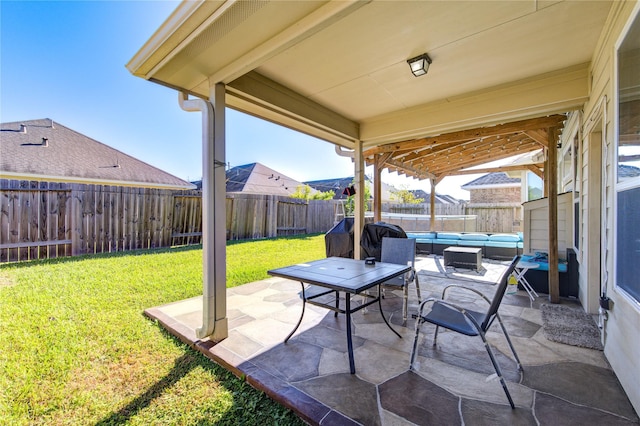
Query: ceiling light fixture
[{"x": 420, "y": 64}]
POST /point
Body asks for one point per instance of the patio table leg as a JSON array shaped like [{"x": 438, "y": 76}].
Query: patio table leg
[
  {"x": 304, "y": 302},
  {"x": 352, "y": 365},
  {"x": 382, "y": 313}
]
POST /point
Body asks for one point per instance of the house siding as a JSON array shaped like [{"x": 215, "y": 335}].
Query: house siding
[{"x": 620, "y": 332}]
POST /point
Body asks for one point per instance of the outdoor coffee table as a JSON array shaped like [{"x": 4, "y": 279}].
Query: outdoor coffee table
[
  {"x": 463, "y": 257},
  {"x": 338, "y": 274}
]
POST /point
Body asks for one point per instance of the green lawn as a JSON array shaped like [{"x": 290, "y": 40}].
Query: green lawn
[{"x": 75, "y": 347}]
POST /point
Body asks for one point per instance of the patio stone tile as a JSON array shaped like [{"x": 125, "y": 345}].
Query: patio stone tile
[
  {"x": 572, "y": 353},
  {"x": 377, "y": 364},
  {"x": 293, "y": 361},
  {"x": 516, "y": 327},
  {"x": 521, "y": 299},
  {"x": 259, "y": 308},
  {"x": 510, "y": 310},
  {"x": 389, "y": 418},
  {"x": 582, "y": 384},
  {"x": 419, "y": 400},
  {"x": 236, "y": 321},
  {"x": 467, "y": 352},
  {"x": 191, "y": 319},
  {"x": 533, "y": 315},
  {"x": 479, "y": 413},
  {"x": 348, "y": 394},
  {"x": 290, "y": 315},
  {"x": 333, "y": 362},
  {"x": 267, "y": 332},
  {"x": 529, "y": 351},
  {"x": 281, "y": 297},
  {"x": 240, "y": 344},
  {"x": 283, "y": 285},
  {"x": 461, "y": 381},
  {"x": 286, "y": 394},
  {"x": 328, "y": 338},
  {"x": 554, "y": 411},
  {"x": 336, "y": 419},
  {"x": 380, "y": 333},
  {"x": 251, "y": 290}
]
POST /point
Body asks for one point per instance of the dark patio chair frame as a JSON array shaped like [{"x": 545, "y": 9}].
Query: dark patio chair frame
[
  {"x": 468, "y": 322},
  {"x": 401, "y": 251}
]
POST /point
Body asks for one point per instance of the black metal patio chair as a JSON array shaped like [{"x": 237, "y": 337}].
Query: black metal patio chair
[
  {"x": 401, "y": 251},
  {"x": 468, "y": 322}
]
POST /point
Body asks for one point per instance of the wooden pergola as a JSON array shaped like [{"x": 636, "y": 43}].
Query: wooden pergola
[{"x": 450, "y": 154}]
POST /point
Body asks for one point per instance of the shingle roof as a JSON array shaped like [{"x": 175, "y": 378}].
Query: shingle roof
[
  {"x": 337, "y": 185},
  {"x": 262, "y": 180},
  {"x": 71, "y": 156},
  {"x": 440, "y": 198},
  {"x": 498, "y": 178},
  {"x": 256, "y": 178}
]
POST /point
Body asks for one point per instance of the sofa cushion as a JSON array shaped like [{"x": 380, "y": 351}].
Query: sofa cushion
[
  {"x": 544, "y": 266},
  {"x": 421, "y": 235},
  {"x": 511, "y": 238},
  {"x": 502, "y": 244},
  {"x": 446, "y": 242},
  {"x": 472, "y": 236},
  {"x": 448, "y": 236}
]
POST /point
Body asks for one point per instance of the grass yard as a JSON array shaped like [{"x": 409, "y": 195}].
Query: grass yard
[{"x": 75, "y": 347}]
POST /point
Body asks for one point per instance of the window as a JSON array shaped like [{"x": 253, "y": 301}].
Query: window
[
  {"x": 628, "y": 158},
  {"x": 534, "y": 186}
]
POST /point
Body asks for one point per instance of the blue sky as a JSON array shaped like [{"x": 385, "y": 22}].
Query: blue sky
[{"x": 66, "y": 61}]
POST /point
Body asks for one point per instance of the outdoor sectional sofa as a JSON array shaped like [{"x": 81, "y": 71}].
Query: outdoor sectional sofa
[{"x": 494, "y": 246}]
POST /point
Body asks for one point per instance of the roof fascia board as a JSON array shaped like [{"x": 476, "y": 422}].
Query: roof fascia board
[
  {"x": 547, "y": 94},
  {"x": 254, "y": 93},
  {"x": 185, "y": 22},
  {"x": 51, "y": 178}
]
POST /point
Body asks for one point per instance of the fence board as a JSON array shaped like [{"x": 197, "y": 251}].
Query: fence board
[{"x": 48, "y": 219}]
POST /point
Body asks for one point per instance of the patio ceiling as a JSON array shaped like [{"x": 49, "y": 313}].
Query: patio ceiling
[{"x": 337, "y": 70}]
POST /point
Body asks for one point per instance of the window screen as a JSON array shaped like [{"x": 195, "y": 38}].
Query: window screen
[{"x": 628, "y": 245}]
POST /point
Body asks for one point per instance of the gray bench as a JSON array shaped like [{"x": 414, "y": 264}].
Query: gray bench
[{"x": 463, "y": 257}]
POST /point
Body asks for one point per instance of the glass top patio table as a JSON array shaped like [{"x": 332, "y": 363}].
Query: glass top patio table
[{"x": 338, "y": 274}]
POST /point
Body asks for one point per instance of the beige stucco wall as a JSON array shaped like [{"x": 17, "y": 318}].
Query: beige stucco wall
[{"x": 622, "y": 330}]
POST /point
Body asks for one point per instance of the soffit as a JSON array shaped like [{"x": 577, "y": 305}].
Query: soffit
[{"x": 337, "y": 70}]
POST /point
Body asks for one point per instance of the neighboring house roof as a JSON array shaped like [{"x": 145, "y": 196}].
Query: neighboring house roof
[
  {"x": 337, "y": 185},
  {"x": 492, "y": 180},
  {"x": 45, "y": 150},
  {"x": 440, "y": 199},
  {"x": 256, "y": 178}
]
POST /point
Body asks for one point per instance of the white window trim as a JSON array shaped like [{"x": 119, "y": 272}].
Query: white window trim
[{"x": 628, "y": 183}]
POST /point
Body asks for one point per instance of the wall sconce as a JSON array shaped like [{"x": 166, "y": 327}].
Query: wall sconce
[{"x": 419, "y": 65}]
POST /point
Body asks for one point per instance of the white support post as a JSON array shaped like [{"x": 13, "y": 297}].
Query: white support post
[{"x": 358, "y": 161}]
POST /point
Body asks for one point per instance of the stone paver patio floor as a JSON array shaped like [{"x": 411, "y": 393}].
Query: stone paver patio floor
[{"x": 451, "y": 384}]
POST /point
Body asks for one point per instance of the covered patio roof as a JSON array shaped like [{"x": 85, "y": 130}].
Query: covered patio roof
[
  {"x": 503, "y": 75},
  {"x": 338, "y": 70}
]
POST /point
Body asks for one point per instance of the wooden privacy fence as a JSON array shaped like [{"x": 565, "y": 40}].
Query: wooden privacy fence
[
  {"x": 251, "y": 216},
  {"x": 41, "y": 220},
  {"x": 493, "y": 218}
]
